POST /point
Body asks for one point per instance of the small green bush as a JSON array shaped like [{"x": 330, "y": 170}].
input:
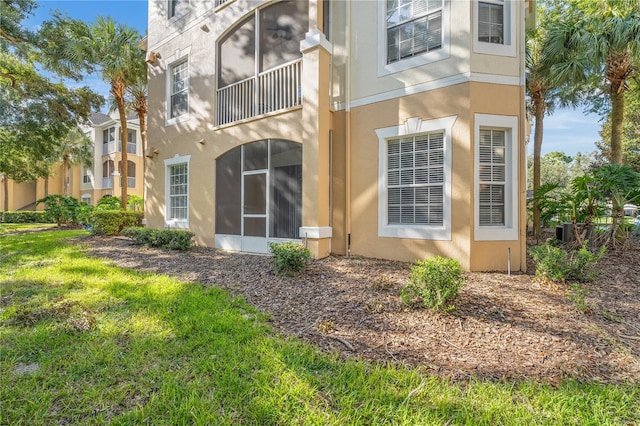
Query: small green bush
[
  {"x": 289, "y": 258},
  {"x": 174, "y": 239},
  {"x": 551, "y": 262},
  {"x": 109, "y": 202},
  {"x": 111, "y": 222},
  {"x": 24, "y": 217},
  {"x": 61, "y": 210},
  {"x": 557, "y": 265},
  {"x": 434, "y": 283}
]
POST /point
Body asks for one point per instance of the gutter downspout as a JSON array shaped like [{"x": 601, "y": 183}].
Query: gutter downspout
[{"x": 348, "y": 135}]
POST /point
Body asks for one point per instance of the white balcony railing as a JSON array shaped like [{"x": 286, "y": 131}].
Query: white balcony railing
[
  {"x": 107, "y": 182},
  {"x": 131, "y": 147},
  {"x": 273, "y": 90},
  {"x": 131, "y": 182},
  {"x": 108, "y": 148}
]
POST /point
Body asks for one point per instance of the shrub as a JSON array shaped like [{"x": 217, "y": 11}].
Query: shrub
[
  {"x": 556, "y": 264},
  {"x": 135, "y": 203},
  {"x": 24, "y": 217},
  {"x": 109, "y": 202},
  {"x": 174, "y": 239},
  {"x": 551, "y": 262},
  {"x": 111, "y": 222},
  {"x": 289, "y": 258},
  {"x": 434, "y": 282},
  {"x": 60, "y": 209}
]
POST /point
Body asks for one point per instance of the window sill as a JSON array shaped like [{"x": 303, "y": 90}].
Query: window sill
[
  {"x": 173, "y": 121},
  {"x": 415, "y": 232}
]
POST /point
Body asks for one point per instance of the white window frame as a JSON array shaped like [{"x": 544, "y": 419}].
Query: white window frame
[
  {"x": 413, "y": 61},
  {"x": 168, "y": 163},
  {"x": 508, "y": 231},
  {"x": 412, "y": 127},
  {"x": 180, "y": 12},
  {"x": 178, "y": 58},
  {"x": 508, "y": 48}
]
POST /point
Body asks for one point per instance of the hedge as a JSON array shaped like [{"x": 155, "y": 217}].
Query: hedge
[
  {"x": 175, "y": 239},
  {"x": 24, "y": 216},
  {"x": 111, "y": 222}
]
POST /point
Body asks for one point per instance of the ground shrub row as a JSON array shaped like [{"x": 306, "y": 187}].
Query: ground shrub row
[
  {"x": 24, "y": 217},
  {"x": 174, "y": 239}
]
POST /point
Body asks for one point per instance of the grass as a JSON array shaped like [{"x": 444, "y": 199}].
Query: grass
[
  {"x": 84, "y": 342},
  {"x": 13, "y": 227}
]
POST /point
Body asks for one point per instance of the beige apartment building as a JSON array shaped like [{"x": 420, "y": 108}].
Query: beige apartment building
[
  {"x": 390, "y": 129},
  {"x": 92, "y": 183}
]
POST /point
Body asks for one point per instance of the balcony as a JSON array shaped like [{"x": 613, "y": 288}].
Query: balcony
[
  {"x": 274, "y": 90},
  {"x": 131, "y": 147},
  {"x": 107, "y": 182},
  {"x": 131, "y": 182},
  {"x": 108, "y": 148}
]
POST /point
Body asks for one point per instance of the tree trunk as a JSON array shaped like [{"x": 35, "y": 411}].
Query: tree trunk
[
  {"x": 617, "y": 120},
  {"x": 537, "y": 148},
  {"x": 65, "y": 176},
  {"x": 143, "y": 141},
  {"x": 6, "y": 192},
  {"x": 117, "y": 89}
]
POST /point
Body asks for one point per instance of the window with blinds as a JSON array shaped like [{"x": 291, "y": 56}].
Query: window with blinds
[
  {"x": 491, "y": 21},
  {"x": 178, "y": 191},
  {"x": 413, "y": 27},
  {"x": 179, "y": 90},
  {"x": 492, "y": 177},
  {"x": 415, "y": 180}
]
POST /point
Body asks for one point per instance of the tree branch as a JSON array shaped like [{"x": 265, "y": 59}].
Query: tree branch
[{"x": 11, "y": 38}]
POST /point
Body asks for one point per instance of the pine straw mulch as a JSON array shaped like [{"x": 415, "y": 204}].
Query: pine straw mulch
[{"x": 503, "y": 327}]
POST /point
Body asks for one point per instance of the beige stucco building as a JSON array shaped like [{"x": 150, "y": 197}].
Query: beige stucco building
[
  {"x": 389, "y": 129},
  {"x": 92, "y": 183}
]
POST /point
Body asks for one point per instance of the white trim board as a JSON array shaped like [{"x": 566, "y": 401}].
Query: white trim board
[{"x": 437, "y": 84}]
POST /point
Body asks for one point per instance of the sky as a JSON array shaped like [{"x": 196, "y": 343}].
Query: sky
[{"x": 567, "y": 130}]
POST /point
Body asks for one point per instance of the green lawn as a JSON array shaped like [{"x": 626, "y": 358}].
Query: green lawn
[
  {"x": 83, "y": 342},
  {"x": 13, "y": 227}
]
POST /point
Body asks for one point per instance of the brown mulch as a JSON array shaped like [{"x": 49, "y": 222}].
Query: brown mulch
[{"x": 503, "y": 327}]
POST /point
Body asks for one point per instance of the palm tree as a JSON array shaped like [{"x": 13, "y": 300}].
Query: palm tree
[
  {"x": 137, "y": 92},
  {"x": 544, "y": 95},
  {"x": 113, "y": 48},
  {"x": 75, "y": 148},
  {"x": 596, "y": 40}
]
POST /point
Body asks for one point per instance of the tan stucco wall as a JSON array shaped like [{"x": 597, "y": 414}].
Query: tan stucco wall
[
  {"x": 463, "y": 101},
  {"x": 451, "y": 101}
]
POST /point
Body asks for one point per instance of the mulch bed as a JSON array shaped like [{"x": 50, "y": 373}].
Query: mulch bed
[{"x": 503, "y": 327}]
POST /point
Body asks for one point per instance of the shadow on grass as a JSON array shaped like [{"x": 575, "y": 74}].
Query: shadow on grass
[{"x": 168, "y": 352}]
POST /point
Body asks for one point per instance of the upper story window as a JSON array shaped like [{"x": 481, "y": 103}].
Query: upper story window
[
  {"x": 491, "y": 21},
  {"x": 412, "y": 33},
  {"x": 494, "y": 29},
  {"x": 278, "y": 29},
  {"x": 131, "y": 142},
  {"x": 179, "y": 99},
  {"x": 108, "y": 140},
  {"x": 413, "y": 27},
  {"x": 177, "y": 8}
]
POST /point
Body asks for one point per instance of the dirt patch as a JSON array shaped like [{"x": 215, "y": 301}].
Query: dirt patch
[{"x": 503, "y": 326}]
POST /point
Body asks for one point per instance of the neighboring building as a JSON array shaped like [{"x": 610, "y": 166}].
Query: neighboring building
[
  {"x": 93, "y": 183},
  {"x": 390, "y": 129},
  {"x": 103, "y": 178}
]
